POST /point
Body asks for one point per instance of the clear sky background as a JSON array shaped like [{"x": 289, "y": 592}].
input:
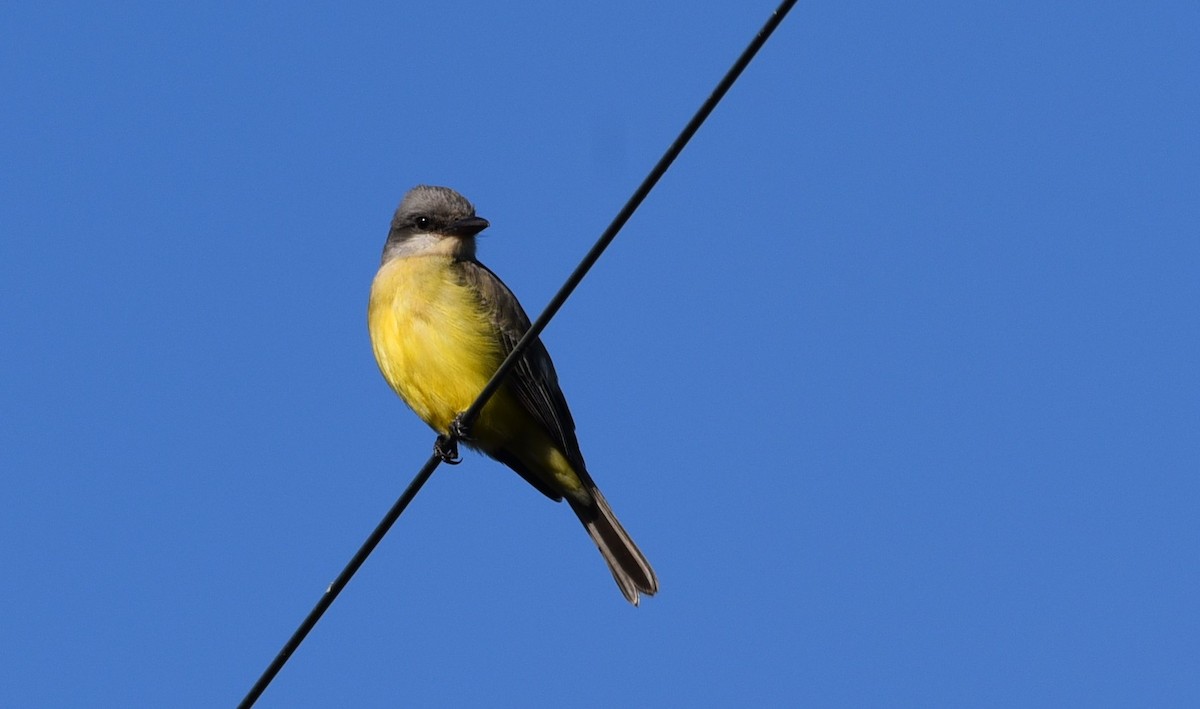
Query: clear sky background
[{"x": 894, "y": 378}]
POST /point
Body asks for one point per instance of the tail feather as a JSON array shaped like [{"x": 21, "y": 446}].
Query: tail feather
[{"x": 626, "y": 562}]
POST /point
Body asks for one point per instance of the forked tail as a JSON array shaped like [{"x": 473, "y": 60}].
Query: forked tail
[{"x": 629, "y": 567}]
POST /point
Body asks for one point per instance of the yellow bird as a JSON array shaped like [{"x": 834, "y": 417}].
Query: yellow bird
[{"x": 441, "y": 323}]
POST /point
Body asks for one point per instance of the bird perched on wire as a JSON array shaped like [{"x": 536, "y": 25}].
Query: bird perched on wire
[{"x": 441, "y": 323}]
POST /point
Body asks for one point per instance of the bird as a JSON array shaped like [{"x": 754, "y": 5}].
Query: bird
[{"x": 440, "y": 324}]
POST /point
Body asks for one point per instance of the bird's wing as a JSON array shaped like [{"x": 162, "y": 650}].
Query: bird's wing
[{"x": 533, "y": 379}]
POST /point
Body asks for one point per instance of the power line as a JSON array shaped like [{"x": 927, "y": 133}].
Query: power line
[
  {"x": 468, "y": 417},
  {"x": 340, "y": 582}
]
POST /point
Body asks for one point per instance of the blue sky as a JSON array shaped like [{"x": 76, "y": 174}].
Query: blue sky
[{"x": 893, "y": 378}]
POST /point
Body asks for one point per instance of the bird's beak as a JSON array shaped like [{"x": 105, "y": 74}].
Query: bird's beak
[{"x": 467, "y": 227}]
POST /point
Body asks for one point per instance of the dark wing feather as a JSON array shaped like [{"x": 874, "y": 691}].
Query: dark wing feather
[
  {"x": 533, "y": 379},
  {"x": 536, "y": 386}
]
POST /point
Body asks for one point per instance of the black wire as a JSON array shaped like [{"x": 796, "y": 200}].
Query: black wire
[
  {"x": 340, "y": 582},
  {"x": 468, "y": 417},
  {"x": 471, "y": 414}
]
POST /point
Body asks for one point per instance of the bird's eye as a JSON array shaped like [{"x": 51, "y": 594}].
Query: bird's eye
[{"x": 422, "y": 222}]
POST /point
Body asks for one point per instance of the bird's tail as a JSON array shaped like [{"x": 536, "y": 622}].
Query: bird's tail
[{"x": 629, "y": 567}]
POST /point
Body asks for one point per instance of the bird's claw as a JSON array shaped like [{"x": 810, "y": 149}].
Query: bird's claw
[
  {"x": 446, "y": 446},
  {"x": 458, "y": 429}
]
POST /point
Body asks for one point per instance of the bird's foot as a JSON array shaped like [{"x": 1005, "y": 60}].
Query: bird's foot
[
  {"x": 446, "y": 447},
  {"x": 458, "y": 429}
]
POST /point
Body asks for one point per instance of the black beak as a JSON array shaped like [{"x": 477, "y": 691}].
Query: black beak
[{"x": 467, "y": 227}]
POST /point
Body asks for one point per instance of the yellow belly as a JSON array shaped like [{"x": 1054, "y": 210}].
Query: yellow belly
[
  {"x": 431, "y": 337},
  {"x": 437, "y": 348}
]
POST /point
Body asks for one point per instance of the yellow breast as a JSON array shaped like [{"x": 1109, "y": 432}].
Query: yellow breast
[
  {"x": 431, "y": 336},
  {"x": 437, "y": 348}
]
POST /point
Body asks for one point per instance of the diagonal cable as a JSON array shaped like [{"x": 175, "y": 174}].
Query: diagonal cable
[{"x": 469, "y": 416}]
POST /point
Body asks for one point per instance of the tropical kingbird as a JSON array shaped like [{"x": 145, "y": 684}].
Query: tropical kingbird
[{"x": 441, "y": 323}]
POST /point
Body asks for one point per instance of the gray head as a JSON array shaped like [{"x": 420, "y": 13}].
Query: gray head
[{"x": 433, "y": 221}]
